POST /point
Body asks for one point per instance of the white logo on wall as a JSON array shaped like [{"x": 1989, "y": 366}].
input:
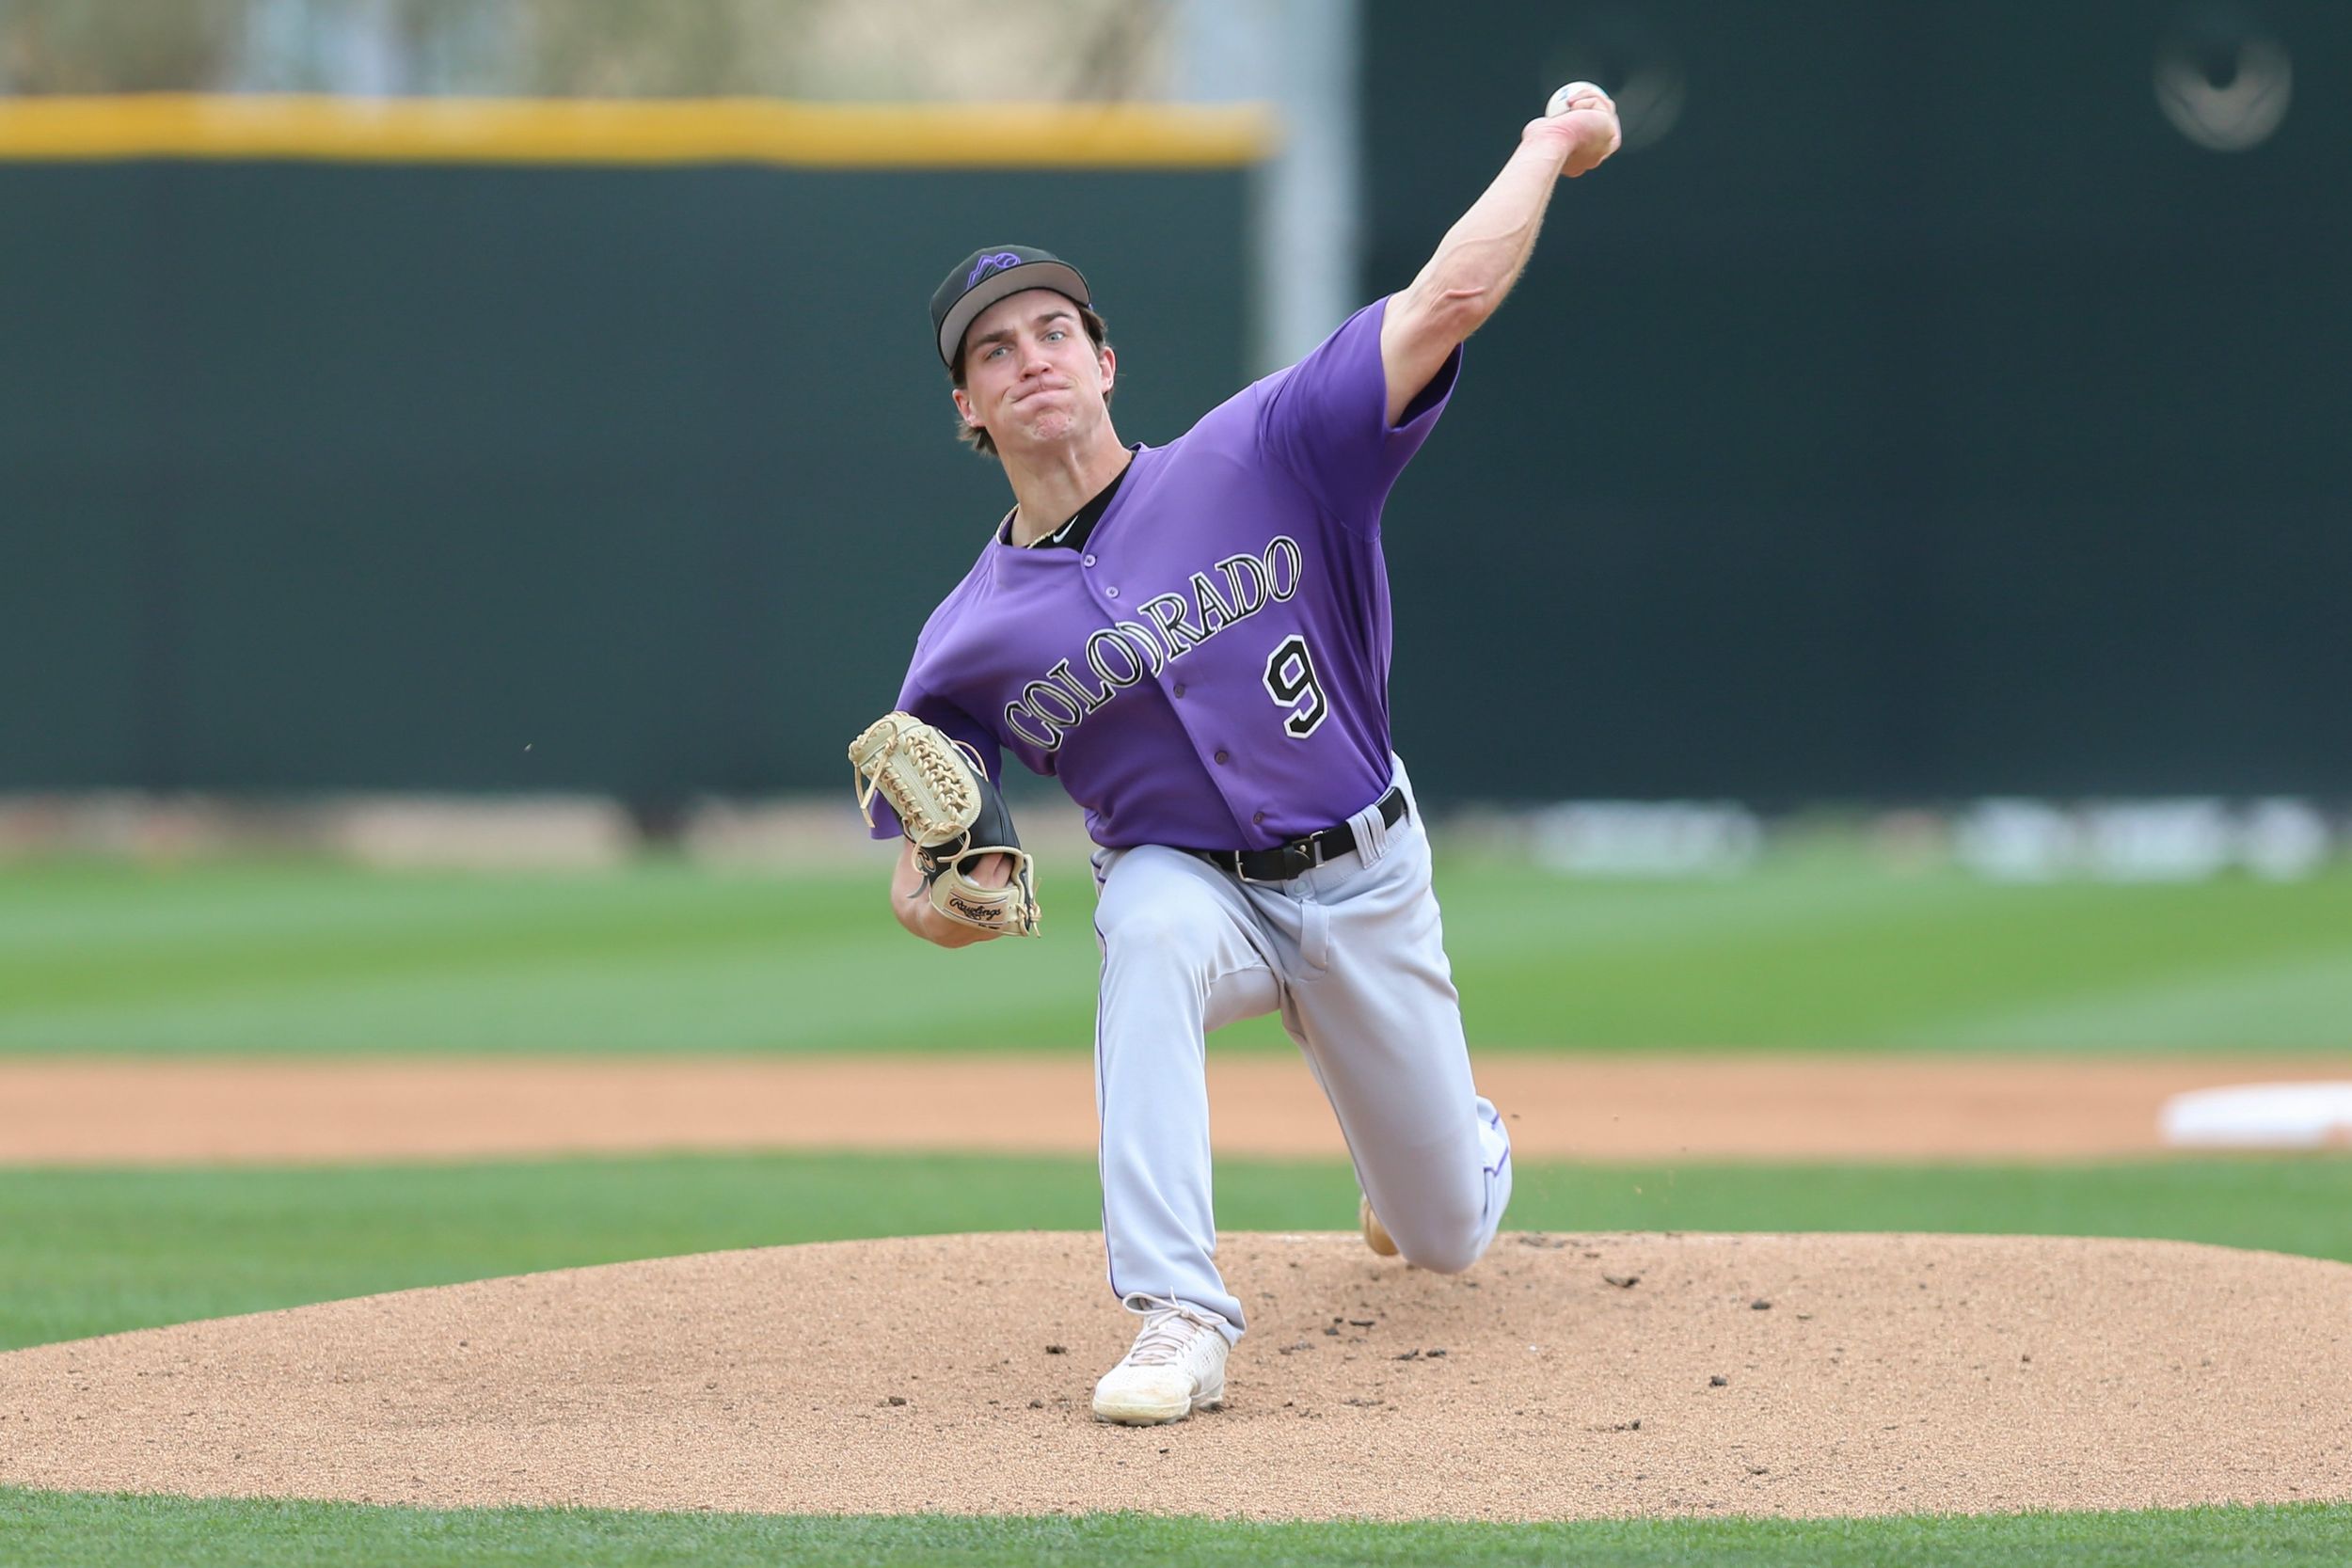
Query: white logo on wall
[{"x": 2222, "y": 81}]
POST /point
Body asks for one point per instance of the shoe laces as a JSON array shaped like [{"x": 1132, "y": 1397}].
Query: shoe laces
[{"x": 1169, "y": 1327}]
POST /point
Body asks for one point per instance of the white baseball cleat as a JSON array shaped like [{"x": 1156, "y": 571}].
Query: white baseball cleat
[
  {"x": 1176, "y": 1366},
  {"x": 1376, "y": 1234}
]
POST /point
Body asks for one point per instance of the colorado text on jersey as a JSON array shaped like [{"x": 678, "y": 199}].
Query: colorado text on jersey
[{"x": 1125, "y": 652}]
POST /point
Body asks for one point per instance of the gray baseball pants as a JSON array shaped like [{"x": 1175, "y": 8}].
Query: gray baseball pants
[{"x": 1352, "y": 955}]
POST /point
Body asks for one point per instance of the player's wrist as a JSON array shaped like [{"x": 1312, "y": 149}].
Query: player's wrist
[{"x": 1550, "y": 137}]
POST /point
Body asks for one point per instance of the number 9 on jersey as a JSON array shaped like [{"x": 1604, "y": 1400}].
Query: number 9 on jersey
[{"x": 1291, "y": 682}]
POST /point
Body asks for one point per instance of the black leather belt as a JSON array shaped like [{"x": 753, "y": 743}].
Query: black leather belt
[{"x": 1285, "y": 861}]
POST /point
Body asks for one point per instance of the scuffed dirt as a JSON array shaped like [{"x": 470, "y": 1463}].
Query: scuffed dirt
[{"x": 1564, "y": 1376}]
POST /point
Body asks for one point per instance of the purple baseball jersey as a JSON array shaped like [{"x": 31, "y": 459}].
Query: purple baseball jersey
[{"x": 1211, "y": 670}]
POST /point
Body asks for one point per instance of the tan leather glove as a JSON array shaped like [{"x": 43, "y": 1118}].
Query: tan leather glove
[{"x": 954, "y": 816}]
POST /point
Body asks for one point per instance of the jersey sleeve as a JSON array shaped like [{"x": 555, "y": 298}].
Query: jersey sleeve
[
  {"x": 958, "y": 725},
  {"x": 1326, "y": 419}
]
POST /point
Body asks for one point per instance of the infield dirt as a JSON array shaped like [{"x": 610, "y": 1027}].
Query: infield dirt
[
  {"x": 1566, "y": 1376},
  {"x": 66, "y": 1111}
]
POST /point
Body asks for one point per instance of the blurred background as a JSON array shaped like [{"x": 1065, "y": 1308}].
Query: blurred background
[
  {"x": 1883, "y": 571},
  {"x": 1870, "y": 630},
  {"x": 1869, "y": 627}
]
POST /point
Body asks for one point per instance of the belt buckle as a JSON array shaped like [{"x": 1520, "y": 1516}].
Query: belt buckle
[{"x": 1296, "y": 859}]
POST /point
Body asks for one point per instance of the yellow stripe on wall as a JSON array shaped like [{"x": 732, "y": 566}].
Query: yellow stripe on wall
[{"x": 635, "y": 131}]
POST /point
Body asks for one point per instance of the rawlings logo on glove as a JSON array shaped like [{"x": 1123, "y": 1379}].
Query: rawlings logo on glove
[{"x": 953, "y": 816}]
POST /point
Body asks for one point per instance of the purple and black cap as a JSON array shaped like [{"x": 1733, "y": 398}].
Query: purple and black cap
[{"x": 987, "y": 275}]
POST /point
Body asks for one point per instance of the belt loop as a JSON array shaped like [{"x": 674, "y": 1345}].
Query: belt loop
[{"x": 1372, "y": 832}]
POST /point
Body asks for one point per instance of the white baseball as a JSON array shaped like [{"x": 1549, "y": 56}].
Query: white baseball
[{"x": 1561, "y": 100}]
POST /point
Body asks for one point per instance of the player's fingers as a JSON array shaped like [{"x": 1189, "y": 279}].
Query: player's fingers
[
  {"x": 991, "y": 871},
  {"x": 1579, "y": 95}
]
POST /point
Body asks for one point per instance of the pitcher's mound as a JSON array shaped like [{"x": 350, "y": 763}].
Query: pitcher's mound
[{"x": 1564, "y": 1376}]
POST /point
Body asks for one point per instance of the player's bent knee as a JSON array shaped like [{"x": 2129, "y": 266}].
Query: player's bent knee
[
  {"x": 1447, "y": 1255},
  {"x": 1443, "y": 1241}
]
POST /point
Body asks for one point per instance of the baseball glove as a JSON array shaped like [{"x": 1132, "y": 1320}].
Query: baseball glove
[{"x": 954, "y": 816}]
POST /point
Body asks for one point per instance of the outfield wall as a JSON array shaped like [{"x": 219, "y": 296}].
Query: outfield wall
[
  {"x": 1914, "y": 409},
  {"x": 535, "y": 454},
  {"x": 1921, "y": 412}
]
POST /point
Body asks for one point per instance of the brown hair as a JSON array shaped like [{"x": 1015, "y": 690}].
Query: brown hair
[{"x": 979, "y": 441}]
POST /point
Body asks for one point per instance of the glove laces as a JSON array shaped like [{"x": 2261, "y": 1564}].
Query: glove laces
[{"x": 937, "y": 811}]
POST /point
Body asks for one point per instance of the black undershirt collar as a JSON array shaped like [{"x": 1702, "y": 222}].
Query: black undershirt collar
[{"x": 1072, "y": 534}]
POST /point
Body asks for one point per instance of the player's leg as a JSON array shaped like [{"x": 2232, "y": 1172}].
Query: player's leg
[
  {"x": 1372, "y": 1002},
  {"x": 1180, "y": 958}
]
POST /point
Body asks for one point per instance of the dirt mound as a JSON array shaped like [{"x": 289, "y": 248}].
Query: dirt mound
[{"x": 1564, "y": 1376}]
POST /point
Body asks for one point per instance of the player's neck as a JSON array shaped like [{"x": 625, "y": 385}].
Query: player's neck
[{"x": 1050, "y": 485}]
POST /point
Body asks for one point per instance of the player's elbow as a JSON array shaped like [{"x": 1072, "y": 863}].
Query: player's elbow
[{"x": 1436, "y": 315}]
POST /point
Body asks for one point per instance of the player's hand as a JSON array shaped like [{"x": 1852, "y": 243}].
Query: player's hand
[
  {"x": 1584, "y": 128},
  {"x": 925, "y": 921},
  {"x": 910, "y": 900}
]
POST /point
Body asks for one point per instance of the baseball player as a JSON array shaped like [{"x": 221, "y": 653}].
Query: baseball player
[{"x": 1195, "y": 640}]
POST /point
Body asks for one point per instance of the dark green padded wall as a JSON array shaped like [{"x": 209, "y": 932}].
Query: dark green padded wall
[
  {"x": 338, "y": 477},
  {"x": 1923, "y": 415}
]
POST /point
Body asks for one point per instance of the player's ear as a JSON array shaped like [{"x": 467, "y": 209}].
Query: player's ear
[
  {"x": 1108, "y": 359},
  {"x": 963, "y": 406}
]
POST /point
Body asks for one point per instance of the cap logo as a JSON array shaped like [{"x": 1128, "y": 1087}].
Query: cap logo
[{"x": 987, "y": 264}]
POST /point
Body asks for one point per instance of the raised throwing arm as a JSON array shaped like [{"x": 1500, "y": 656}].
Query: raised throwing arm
[{"x": 1482, "y": 255}]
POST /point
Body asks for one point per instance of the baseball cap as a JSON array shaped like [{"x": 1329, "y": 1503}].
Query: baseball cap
[{"x": 987, "y": 275}]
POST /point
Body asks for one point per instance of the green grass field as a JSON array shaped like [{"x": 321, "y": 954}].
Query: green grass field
[
  {"x": 54, "y": 1531},
  {"x": 1816, "y": 950}
]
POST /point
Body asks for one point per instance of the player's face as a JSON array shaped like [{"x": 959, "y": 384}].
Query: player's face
[{"x": 1031, "y": 375}]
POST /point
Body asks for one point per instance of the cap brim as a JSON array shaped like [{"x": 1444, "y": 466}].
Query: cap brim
[{"x": 1060, "y": 277}]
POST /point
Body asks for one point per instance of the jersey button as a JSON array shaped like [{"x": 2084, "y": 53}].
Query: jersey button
[
  {"x": 1111, "y": 593},
  {"x": 1089, "y": 560},
  {"x": 1180, "y": 688},
  {"x": 1258, "y": 818},
  {"x": 1221, "y": 757}
]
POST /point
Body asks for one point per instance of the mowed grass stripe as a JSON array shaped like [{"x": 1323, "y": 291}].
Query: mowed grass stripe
[
  {"x": 767, "y": 997},
  {"x": 45, "y": 1529},
  {"x": 319, "y": 925},
  {"x": 2297, "y": 998},
  {"x": 1813, "y": 951},
  {"x": 89, "y": 1253},
  {"x": 61, "y": 906},
  {"x": 318, "y": 960},
  {"x": 1929, "y": 961}
]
